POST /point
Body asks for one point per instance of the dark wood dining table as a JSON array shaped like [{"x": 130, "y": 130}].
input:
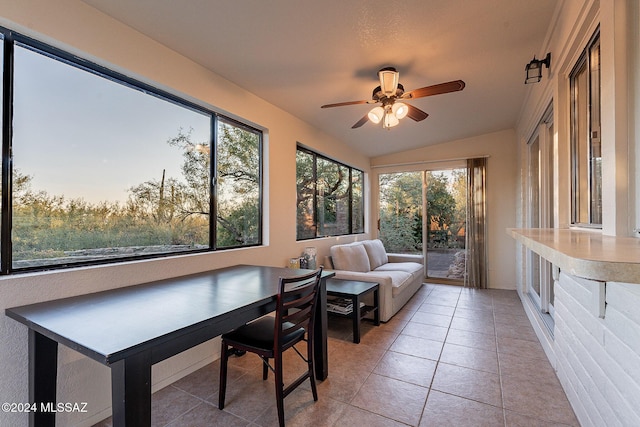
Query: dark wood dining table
[{"x": 129, "y": 329}]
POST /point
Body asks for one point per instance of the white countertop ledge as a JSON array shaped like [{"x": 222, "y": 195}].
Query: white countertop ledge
[{"x": 585, "y": 253}]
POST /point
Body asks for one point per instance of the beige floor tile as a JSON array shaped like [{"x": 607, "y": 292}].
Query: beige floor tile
[
  {"x": 446, "y": 300},
  {"x": 376, "y": 336},
  {"x": 538, "y": 399},
  {"x": 471, "y": 313},
  {"x": 485, "y": 305},
  {"x": 484, "y": 326},
  {"x": 300, "y": 410},
  {"x": 343, "y": 382},
  {"x": 468, "y": 383},
  {"x": 511, "y": 318},
  {"x": 469, "y": 357},
  {"x": 476, "y": 295},
  {"x": 206, "y": 415},
  {"x": 521, "y": 348},
  {"x": 472, "y": 339},
  {"x": 416, "y": 346},
  {"x": 392, "y": 398},
  {"x": 204, "y": 382},
  {"x": 523, "y": 332},
  {"x": 355, "y": 417},
  {"x": 513, "y": 419},
  {"x": 414, "y": 370},
  {"x": 250, "y": 396},
  {"x": 430, "y": 332},
  {"x": 525, "y": 369},
  {"x": 437, "y": 309},
  {"x": 362, "y": 355},
  {"x": 446, "y": 410},
  {"x": 169, "y": 403},
  {"x": 431, "y": 319}
]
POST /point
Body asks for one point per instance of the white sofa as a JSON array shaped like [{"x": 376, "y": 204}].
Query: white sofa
[{"x": 399, "y": 276}]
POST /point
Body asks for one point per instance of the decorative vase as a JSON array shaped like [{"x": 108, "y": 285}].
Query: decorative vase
[{"x": 310, "y": 255}]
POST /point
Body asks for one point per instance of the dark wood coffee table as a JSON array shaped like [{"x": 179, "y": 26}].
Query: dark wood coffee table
[{"x": 354, "y": 290}]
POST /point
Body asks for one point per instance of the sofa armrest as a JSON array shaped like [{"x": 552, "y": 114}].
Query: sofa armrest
[{"x": 406, "y": 258}]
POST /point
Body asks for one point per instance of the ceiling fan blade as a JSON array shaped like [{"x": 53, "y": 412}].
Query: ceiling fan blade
[
  {"x": 441, "y": 88},
  {"x": 360, "y": 122},
  {"x": 342, "y": 104},
  {"x": 416, "y": 113}
]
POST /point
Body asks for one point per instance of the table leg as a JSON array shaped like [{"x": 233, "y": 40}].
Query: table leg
[
  {"x": 376, "y": 302},
  {"x": 43, "y": 373},
  {"x": 356, "y": 314},
  {"x": 131, "y": 391},
  {"x": 320, "y": 334}
]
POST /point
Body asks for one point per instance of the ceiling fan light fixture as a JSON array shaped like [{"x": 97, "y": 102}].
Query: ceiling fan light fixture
[
  {"x": 400, "y": 110},
  {"x": 376, "y": 114},
  {"x": 390, "y": 120},
  {"x": 389, "y": 79}
]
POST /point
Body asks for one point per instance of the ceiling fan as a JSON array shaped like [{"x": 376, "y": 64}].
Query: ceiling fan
[{"x": 390, "y": 93}]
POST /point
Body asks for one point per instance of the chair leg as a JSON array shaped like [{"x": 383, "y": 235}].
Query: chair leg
[
  {"x": 265, "y": 368},
  {"x": 312, "y": 371},
  {"x": 279, "y": 387},
  {"x": 224, "y": 357}
]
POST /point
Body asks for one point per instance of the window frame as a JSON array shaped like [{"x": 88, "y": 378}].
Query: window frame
[
  {"x": 539, "y": 213},
  {"x": 9, "y": 38},
  {"x": 584, "y": 61},
  {"x": 350, "y": 220}
]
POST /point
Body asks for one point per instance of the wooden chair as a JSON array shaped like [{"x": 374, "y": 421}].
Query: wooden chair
[{"x": 269, "y": 337}]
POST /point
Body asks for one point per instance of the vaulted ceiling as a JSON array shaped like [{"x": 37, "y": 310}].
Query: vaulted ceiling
[{"x": 299, "y": 55}]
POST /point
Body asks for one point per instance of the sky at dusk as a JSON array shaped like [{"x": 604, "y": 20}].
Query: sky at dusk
[{"x": 81, "y": 135}]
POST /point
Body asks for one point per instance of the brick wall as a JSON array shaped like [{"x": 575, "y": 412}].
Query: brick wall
[{"x": 597, "y": 349}]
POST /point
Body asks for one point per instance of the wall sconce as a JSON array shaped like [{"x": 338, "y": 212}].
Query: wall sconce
[{"x": 534, "y": 69}]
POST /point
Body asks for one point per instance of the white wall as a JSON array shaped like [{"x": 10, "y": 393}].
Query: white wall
[
  {"x": 78, "y": 28},
  {"x": 502, "y": 169},
  {"x": 598, "y": 359}
]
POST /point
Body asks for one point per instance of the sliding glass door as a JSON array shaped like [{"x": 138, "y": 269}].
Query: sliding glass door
[
  {"x": 439, "y": 234},
  {"x": 401, "y": 207}
]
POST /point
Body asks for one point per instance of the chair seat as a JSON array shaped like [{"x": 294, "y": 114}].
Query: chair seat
[{"x": 259, "y": 334}]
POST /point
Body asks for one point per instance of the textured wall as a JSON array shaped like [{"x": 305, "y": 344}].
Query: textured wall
[{"x": 598, "y": 359}]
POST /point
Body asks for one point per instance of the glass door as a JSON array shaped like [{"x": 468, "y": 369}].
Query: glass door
[
  {"x": 400, "y": 223},
  {"x": 445, "y": 224},
  {"x": 440, "y": 235}
]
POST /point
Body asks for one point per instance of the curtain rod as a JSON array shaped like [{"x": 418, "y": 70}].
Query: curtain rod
[{"x": 426, "y": 162}]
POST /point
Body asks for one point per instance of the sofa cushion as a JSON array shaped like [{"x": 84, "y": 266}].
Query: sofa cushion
[
  {"x": 399, "y": 280},
  {"x": 351, "y": 257},
  {"x": 409, "y": 267},
  {"x": 376, "y": 252}
]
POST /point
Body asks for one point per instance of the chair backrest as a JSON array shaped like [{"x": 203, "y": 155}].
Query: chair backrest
[{"x": 296, "y": 304}]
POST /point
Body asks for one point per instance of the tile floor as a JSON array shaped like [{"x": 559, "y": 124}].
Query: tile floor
[{"x": 450, "y": 357}]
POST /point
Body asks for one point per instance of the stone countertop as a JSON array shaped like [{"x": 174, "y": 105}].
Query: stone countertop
[{"x": 585, "y": 254}]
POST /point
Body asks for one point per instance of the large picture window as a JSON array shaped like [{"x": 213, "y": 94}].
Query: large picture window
[
  {"x": 105, "y": 168},
  {"x": 329, "y": 196},
  {"x": 586, "y": 151}
]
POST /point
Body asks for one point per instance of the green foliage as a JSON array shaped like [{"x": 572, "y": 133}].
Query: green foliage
[
  {"x": 323, "y": 197},
  {"x": 162, "y": 212},
  {"x": 401, "y": 210}
]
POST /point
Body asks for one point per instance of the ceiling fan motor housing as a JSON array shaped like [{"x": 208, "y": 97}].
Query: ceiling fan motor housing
[{"x": 379, "y": 96}]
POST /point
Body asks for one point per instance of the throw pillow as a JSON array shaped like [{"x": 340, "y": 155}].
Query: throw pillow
[
  {"x": 350, "y": 257},
  {"x": 376, "y": 252}
]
